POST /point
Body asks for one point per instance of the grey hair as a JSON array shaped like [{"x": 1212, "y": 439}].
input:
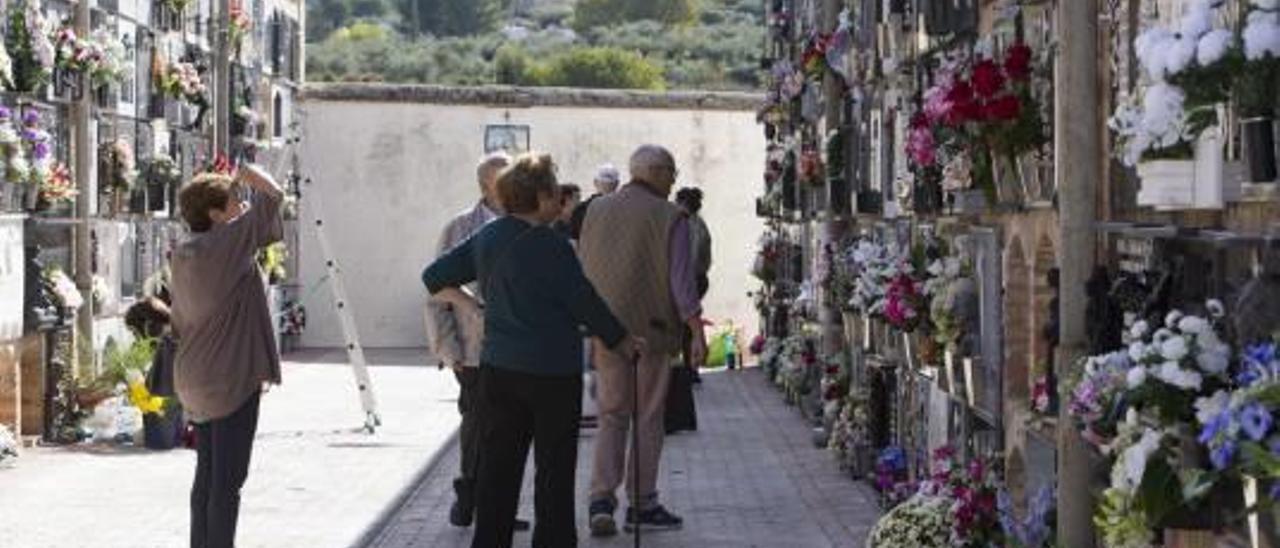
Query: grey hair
[
  {"x": 646, "y": 159},
  {"x": 607, "y": 178},
  {"x": 491, "y": 164}
]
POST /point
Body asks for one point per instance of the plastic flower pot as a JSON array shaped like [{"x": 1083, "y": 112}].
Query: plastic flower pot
[
  {"x": 1258, "y": 135},
  {"x": 163, "y": 432}
]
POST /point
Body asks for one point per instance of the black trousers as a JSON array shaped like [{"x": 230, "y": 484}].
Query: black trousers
[
  {"x": 223, "y": 448},
  {"x": 468, "y": 433},
  {"x": 518, "y": 409}
]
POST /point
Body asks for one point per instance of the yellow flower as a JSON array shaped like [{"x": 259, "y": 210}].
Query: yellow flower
[{"x": 141, "y": 398}]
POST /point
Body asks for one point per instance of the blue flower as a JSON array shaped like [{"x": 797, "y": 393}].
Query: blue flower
[
  {"x": 1214, "y": 428},
  {"x": 1262, "y": 354},
  {"x": 1255, "y": 420},
  {"x": 1222, "y": 455}
]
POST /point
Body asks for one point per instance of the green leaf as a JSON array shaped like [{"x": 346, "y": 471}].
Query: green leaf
[
  {"x": 1197, "y": 483},
  {"x": 1259, "y": 458},
  {"x": 1160, "y": 492}
]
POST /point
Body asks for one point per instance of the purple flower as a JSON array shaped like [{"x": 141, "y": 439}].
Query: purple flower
[
  {"x": 1275, "y": 490},
  {"x": 41, "y": 150},
  {"x": 1222, "y": 455},
  {"x": 1255, "y": 420},
  {"x": 5, "y": 113},
  {"x": 1260, "y": 353},
  {"x": 31, "y": 118}
]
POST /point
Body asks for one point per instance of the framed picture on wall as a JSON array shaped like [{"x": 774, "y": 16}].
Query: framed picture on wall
[{"x": 512, "y": 139}]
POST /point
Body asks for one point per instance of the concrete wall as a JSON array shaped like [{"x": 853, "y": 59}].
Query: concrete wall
[{"x": 392, "y": 166}]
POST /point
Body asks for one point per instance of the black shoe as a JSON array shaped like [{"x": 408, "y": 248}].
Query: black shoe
[
  {"x": 463, "y": 511},
  {"x": 601, "y": 519},
  {"x": 522, "y": 525},
  {"x": 653, "y": 519}
]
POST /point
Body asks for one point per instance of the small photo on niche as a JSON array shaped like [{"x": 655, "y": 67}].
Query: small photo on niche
[{"x": 512, "y": 139}]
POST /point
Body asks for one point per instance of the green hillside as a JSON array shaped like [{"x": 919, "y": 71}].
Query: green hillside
[{"x": 645, "y": 44}]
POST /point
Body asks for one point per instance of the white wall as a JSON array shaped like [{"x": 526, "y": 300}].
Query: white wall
[{"x": 390, "y": 175}]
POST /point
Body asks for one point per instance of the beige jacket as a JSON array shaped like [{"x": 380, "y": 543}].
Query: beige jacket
[{"x": 454, "y": 337}]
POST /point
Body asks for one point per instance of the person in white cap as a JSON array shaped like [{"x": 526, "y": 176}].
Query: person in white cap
[{"x": 606, "y": 181}]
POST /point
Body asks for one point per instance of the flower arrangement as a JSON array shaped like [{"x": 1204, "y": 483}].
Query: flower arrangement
[
  {"x": 974, "y": 114},
  {"x": 768, "y": 258},
  {"x": 921, "y": 521},
  {"x": 12, "y": 149},
  {"x": 29, "y": 47},
  {"x": 119, "y": 171},
  {"x": 100, "y": 292},
  {"x": 182, "y": 81},
  {"x": 238, "y": 25},
  {"x": 1036, "y": 528},
  {"x": 1238, "y": 425},
  {"x": 59, "y": 187},
  {"x": 1097, "y": 399},
  {"x": 140, "y": 396},
  {"x": 891, "y": 476},
  {"x": 972, "y": 491},
  {"x": 943, "y": 274},
  {"x": 38, "y": 147},
  {"x": 8, "y": 444},
  {"x": 100, "y": 56},
  {"x": 1191, "y": 69},
  {"x": 886, "y": 285},
  {"x": 834, "y": 385},
  {"x": 64, "y": 290},
  {"x": 850, "y": 428}
]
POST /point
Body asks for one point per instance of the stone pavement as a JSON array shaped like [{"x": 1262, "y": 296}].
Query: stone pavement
[
  {"x": 317, "y": 481},
  {"x": 750, "y": 477}
]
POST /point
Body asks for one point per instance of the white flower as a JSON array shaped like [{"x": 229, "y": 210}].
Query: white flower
[
  {"x": 1135, "y": 458},
  {"x": 1213, "y": 46},
  {"x": 1162, "y": 114},
  {"x": 1209, "y": 408},
  {"x": 1149, "y": 46},
  {"x": 1137, "y": 351},
  {"x": 1197, "y": 21},
  {"x": 1174, "y": 348},
  {"x": 1136, "y": 377},
  {"x": 133, "y": 376},
  {"x": 1262, "y": 35},
  {"x": 1214, "y": 357},
  {"x": 1214, "y": 306},
  {"x": 1266, "y": 4},
  {"x": 1195, "y": 325},
  {"x": 1176, "y": 376},
  {"x": 1171, "y": 320},
  {"x": 1178, "y": 55},
  {"x": 1139, "y": 329}
]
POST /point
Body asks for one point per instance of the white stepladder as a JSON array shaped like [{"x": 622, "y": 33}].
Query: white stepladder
[{"x": 351, "y": 337}]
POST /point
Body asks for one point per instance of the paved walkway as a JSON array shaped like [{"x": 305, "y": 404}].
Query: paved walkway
[
  {"x": 316, "y": 481},
  {"x": 750, "y": 477}
]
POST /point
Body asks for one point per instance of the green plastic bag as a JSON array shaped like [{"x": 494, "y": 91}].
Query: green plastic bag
[{"x": 718, "y": 349}]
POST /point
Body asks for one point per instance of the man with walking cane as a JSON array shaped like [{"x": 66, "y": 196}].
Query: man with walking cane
[{"x": 634, "y": 247}]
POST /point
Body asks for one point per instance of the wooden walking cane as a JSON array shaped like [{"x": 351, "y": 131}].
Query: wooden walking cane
[{"x": 635, "y": 444}]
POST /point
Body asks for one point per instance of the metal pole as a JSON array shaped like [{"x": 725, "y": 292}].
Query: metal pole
[
  {"x": 221, "y": 78},
  {"x": 1077, "y": 138},
  {"x": 86, "y": 174},
  {"x": 832, "y": 227}
]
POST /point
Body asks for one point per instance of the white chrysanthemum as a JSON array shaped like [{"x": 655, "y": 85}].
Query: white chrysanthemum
[
  {"x": 1266, "y": 4},
  {"x": 1214, "y": 357},
  {"x": 1139, "y": 329},
  {"x": 1172, "y": 374},
  {"x": 1136, "y": 377},
  {"x": 1171, "y": 319},
  {"x": 1149, "y": 47},
  {"x": 1178, "y": 55},
  {"x": 1195, "y": 325},
  {"x": 1209, "y": 408},
  {"x": 1197, "y": 21},
  {"x": 1262, "y": 35},
  {"x": 1137, "y": 351},
  {"x": 1135, "y": 458},
  {"x": 1162, "y": 113},
  {"x": 1174, "y": 348},
  {"x": 1214, "y": 306},
  {"x": 1213, "y": 46}
]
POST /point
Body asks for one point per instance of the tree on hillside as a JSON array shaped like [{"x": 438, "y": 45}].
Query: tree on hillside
[
  {"x": 452, "y": 17},
  {"x": 588, "y": 14},
  {"x": 580, "y": 67}
]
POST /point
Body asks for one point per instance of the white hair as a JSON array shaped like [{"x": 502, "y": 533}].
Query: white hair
[
  {"x": 490, "y": 164},
  {"x": 648, "y": 158},
  {"x": 607, "y": 178}
]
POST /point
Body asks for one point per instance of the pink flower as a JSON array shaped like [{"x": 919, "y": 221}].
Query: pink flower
[
  {"x": 987, "y": 80},
  {"x": 1017, "y": 62},
  {"x": 921, "y": 147}
]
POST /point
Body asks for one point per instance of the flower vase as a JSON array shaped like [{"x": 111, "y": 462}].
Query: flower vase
[
  {"x": 910, "y": 351},
  {"x": 30, "y": 197},
  {"x": 1258, "y": 135},
  {"x": 7, "y": 201},
  {"x": 1007, "y": 177},
  {"x": 852, "y": 329},
  {"x": 1205, "y": 182}
]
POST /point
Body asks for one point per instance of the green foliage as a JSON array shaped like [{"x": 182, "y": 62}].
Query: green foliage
[
  {"x": 607, "y": 68},
  {"x": 588, "y": 14},
  {"x": 118, "y": 360},
  {"x": 702, "y": 44}
]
